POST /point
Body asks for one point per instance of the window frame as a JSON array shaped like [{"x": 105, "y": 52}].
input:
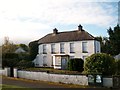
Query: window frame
[
  {"x": 62, "y": 48},
  {"x": 84, "y": 47},
  {"x": 44, "y": 49},
  {"x": 72, "y": 48},
  {"x": 53, "y": 48}
]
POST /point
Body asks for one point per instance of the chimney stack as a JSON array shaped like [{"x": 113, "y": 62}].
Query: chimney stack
[
  {"x": 55, "y": 31},
  {"x": 80, "y": 27}
]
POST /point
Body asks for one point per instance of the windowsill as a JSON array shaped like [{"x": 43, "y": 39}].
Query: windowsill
[
  {"x": 72, "y": 52},
  {"x": 53, "y": 52},
  {"x": 62, "y": 52},
  {"x": 85, "y": 52}
]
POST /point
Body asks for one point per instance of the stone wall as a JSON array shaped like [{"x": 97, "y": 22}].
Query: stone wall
[
  {"x": 108, "y": 82},
  {"x": 60, "y": 78},
  {"x": 5, "y": 71},
  {"x": 69, "y": 79}
]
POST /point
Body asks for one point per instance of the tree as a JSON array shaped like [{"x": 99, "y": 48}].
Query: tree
[
  {"x": 114, "y": 38},
  {"x": 9, "y": 59},
  {"x": 25, "y": 64},
  {"x": 117, "y": 64},
  {"x": 100, "y": 63},
  {"x": 75, "y": 64},
  {"x": 8, "y": 46},
  {"x": 33, "y": 49},
  {"x": 25, "y": 47},
  {"x": 105, "y": 44}
]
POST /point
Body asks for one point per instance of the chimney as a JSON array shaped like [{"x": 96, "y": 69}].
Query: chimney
[
  {"x": 80, "y": 27},
  {"x": 55, "y": 31}
]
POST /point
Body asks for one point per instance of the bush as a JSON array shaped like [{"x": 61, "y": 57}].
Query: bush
[
  {"x": 25, "y": 64},
  {"x": 24, "y": 56},
  {"x": 117, "y": 64},
  {"x": 100, "y": 63},
  {"x": 75, "y": 64},
  {"x": 9, "y": 55},
  {"x": 9, "y": 59}
]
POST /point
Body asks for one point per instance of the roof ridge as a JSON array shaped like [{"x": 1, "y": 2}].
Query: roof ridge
[{"x": 75, "y": 35}]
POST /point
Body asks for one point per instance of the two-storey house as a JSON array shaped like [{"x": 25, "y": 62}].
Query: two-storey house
[{"x": 56, "y": 48}]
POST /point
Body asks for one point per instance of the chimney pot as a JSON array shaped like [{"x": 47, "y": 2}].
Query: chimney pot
[
  {"x": 80, "y": 27},
  {"x": 55, "y": 31}
]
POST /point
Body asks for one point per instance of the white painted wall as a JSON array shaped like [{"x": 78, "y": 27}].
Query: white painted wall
[
  {"x": 108, "y": 82},
  {"x": 92, "y": 46},
  {"x": 60, "y": 78},
  {"x": 69, "y": 79}
]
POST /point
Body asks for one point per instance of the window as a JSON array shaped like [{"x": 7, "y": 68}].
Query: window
[
  {"x": 44, "y": 49},
  {"x": 84, "y": 47},
  {"x": 44, "y": 61},
  {"x": 53, "y": 48},
  {"x": 72, "y": 48},
  {"x": 61, "y": 47}
]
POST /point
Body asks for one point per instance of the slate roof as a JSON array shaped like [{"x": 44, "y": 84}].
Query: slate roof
[{"x": 76, "y": 35}]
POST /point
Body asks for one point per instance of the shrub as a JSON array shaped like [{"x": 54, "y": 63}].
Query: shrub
[
  {"x": 75, "y": 64},
  {"x": 100, "y": 63},
  {"x": 25, "y": 64},
  {"x": 117, "y": 64},
  {"x": 9, "y": 59}
]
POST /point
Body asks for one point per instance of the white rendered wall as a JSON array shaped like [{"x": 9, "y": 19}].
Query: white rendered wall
[{"x": 92, "y": 47}]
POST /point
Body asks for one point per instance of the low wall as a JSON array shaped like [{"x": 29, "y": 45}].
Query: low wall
[
  {"x": 60, "y": 78},
  {"x": 108, "y": 82},
  {"x": 5, "y": 71},
  {"x": 2, "y": 72},
  {"x": 69, "y": 79}
]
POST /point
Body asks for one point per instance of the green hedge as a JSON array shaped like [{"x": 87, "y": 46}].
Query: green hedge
[
  {"x": 100, "y": 63},
  {"x": 117, "y": 64},
  {"x": 75, "y": 64}
]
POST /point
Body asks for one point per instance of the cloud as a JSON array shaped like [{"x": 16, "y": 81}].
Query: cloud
[{"x": 34, "y": 18}]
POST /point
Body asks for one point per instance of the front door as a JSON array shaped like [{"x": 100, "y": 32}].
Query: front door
[{"x": 63, "y": 63}]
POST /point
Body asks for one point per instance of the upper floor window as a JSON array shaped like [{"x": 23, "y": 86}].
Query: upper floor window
[
  {"x": 84, "y": 47},
  {"x": 61, "y": 47},
  {"x": 72, "y": 48},
  {"x": 44, "y": 49},
  {"x": 53, "y": 48}
]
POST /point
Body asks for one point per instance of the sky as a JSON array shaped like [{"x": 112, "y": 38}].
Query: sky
[{"x": 24, "y": 21}]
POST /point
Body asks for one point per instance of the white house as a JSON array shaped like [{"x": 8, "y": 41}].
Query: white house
[
  {"x": 20, "y": 50},
  {"x": 56, "y": 48}
]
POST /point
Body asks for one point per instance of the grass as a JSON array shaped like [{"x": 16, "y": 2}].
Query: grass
[
  {"x": 13, "y": 87},
  {"x": 54, "y": 71},
  {"x": 10, "y": 86}
]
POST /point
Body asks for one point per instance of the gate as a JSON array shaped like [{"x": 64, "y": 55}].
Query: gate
[{"x": 116, "y": 81}]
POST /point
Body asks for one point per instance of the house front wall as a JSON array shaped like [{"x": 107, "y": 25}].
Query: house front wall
[{"x": 92, "y": 47}]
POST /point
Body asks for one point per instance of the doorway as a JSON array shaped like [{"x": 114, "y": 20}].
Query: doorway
[{"x": 63, "y": 63}]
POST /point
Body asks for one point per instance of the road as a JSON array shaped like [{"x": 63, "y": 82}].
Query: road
[
  {"x": 41, "y": 84},
  {"x": 29, "y": 83}
]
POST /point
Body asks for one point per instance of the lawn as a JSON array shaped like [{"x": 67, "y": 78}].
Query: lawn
[
  {"x": 13, "y": 87},
  {"x": 55, "y": 71}
]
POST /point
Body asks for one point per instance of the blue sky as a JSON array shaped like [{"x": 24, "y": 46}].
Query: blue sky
[{"x": 27, "y": 20}]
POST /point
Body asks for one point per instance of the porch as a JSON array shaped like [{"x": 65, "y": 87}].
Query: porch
[{"x": 60, "y": 61}]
